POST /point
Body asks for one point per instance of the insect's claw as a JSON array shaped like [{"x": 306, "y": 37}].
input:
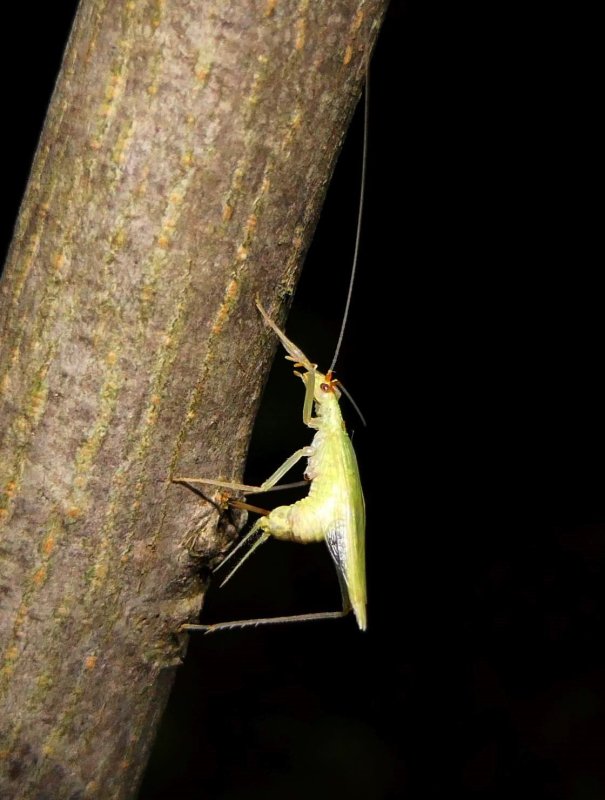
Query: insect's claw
[{"x": 300, "y": 365}]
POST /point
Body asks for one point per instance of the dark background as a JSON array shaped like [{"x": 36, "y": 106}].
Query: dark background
[{"x": 475, "y": 350}]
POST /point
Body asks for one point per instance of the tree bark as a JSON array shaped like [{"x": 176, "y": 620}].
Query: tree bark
[{"x": 179, "y": 174}]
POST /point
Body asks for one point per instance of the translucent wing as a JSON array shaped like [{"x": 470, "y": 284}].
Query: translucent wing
[
  {"x": 346, "y": 535},
  {"x": 337, "y": 545}
]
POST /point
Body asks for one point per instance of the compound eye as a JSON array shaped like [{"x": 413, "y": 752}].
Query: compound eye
[{"x": 325, "y": 387}]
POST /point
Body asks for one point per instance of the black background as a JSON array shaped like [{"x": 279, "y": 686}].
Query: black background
[{"x": 475, "y": 350}]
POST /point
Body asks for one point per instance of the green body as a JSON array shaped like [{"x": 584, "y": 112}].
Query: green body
[{"x": 334, "y": 508}]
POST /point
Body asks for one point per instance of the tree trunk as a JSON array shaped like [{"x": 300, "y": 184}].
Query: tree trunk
[{"x": 179, "y": 174}]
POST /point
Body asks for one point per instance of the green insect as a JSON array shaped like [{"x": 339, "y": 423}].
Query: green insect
[{"x": 334, "y": 508}]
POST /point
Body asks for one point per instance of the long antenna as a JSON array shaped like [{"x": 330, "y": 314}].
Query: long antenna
[{"x": 366, "y": 106}]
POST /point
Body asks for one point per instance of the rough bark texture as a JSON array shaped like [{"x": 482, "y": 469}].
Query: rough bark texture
[{"x": 179, "y": 173}]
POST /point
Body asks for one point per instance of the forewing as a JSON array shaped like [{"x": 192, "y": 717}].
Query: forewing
[{"x": 346, "y": 535}]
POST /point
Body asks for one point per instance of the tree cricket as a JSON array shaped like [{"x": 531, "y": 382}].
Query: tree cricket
[{"x": 334, "y": 508}]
